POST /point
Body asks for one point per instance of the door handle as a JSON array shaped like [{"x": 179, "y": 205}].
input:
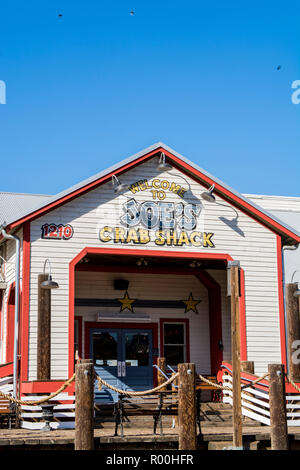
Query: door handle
[
  {"x": 123, "y": 369},
  {"x": 119, "y": 369}
]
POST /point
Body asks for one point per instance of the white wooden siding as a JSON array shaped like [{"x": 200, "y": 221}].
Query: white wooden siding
[
  {"x": 250, "y": 242},
  {"x": 10, "y": 277}
]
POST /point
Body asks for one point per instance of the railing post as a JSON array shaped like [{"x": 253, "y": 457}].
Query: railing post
[
  {"x": 44, "y": 330},
  {"x": 84, "y": 405},
  {"x": 293, "y": 329},
  {"x": 279, "y": 434},
  {"x": 187, "y": 435},
  {"x": 161, "y": 363},
  {"x": 236, "y": 355}
]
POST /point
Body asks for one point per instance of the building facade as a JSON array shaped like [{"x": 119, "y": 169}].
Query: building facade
[{"x": 140, "y": 253}]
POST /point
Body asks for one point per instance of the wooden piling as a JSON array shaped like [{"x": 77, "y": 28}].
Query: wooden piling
[
  {"x": 279, "y": 433},
  {"x": 236, "y": 356},
  {"x": 187, "y": 434},
  {"x": 44, "y": 331},
  {"x": 84, "y": 405},
  {"x": 161, "y": 363},
  {"x": 293, "y": 329}
]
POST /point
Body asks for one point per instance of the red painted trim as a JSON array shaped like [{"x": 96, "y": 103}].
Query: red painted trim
[
  {"x": 219, "y": 189},
  {"x": 46, "y": 387},
  {"x": 79, "y": 319},
  {"x": 233, "y": 198},
  {"x": 71, "y": 315},
  {"x": 243, "y": 328},
  {"x": 150, "y": 326},
  {"x": 131, "y": 252},
  {"x": 146, "y": 253},
  {"x": 10, "y": 316},
  {"x": 6, "y": 369},
  {"x": 134, "y": 269},
  {"x": 24, "y": 337},
  {"x": 281, "y": 303},
  {"x": 162, "y": 321},
  {"x": 215, "y": 318},
  {"x": 84, "y": 189},
  {"x": 262, "y": 385}
]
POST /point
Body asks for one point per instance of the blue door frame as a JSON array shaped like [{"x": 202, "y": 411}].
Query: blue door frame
[{"x": 123, "y": 357}]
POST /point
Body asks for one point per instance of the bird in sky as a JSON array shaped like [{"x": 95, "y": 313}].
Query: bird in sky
[
  {"x": 278, "y": 67},
  {"x": 132, "y": 12}
]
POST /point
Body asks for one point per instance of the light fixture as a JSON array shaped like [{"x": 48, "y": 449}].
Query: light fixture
[
  {"x": 195, "y": 264},
  {"x": 297, "y": 292},
  {"x": 208, "y": 195},
  {"x": 117, "y": 184},
  {"x": 142, "y": 262},
  {"x": 162, "y": 165},
  {"x": 49, "y": 284}
]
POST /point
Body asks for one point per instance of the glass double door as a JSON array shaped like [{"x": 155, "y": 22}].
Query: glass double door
[{"x": 123, "y": 358}]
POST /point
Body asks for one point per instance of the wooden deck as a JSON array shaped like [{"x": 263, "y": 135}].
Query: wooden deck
[{"x": 140, "y": 437}]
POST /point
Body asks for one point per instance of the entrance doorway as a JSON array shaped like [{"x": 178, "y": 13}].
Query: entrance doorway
[{"x": 123, "y": 357}]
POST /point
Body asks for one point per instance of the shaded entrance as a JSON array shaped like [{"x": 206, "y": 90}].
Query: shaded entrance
[
  {"x": 124, "y": 260},
  {"x": 123, "y": 358}
]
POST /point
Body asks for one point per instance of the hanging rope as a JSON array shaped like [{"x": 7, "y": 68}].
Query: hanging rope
[
  {"x": 42, "y": 400},
  {"x": 224, "y": 387},
  {"x": 102, "y": 382},
  {"x": 292, "y": 383}
]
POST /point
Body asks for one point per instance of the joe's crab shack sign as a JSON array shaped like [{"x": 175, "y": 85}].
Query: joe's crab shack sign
[{"x": 158, "y": 220}]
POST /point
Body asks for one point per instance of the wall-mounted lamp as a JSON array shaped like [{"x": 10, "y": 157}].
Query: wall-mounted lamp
[
  {"x": 49, "y": 284},
  {"x": 119, "y": 187},
  {"x": 195, "y": 264},
  {"x": 208, "y": 195},
  {"x": 162, "y": 164},
  {"x": 297, "y": 292},
  {"x": 142, "y": 262}
]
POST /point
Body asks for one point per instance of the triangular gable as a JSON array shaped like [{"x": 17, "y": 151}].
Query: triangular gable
[{"x": 181, "y": 163}]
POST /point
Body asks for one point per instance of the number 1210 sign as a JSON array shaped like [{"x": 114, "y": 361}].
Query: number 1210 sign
[{"x": 57, "y": 232}]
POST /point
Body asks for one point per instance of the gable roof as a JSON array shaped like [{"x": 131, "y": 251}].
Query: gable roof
[{"x": 46, "y": 203}]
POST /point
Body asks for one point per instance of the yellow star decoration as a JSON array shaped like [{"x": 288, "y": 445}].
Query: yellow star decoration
[
  {"x": 126, "y": 302},
  {"x": 191, "y": 304}
]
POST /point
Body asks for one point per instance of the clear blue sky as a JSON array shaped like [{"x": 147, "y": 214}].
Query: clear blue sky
[{"x": 98, "y": 84}]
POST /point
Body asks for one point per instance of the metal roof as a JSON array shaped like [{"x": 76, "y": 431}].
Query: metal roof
[
  {"x": 43, "y": 200},
  {"x": 14, "y": 205}
]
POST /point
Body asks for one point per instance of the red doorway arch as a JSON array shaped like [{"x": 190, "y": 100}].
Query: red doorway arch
[{"x": 214, "y": 292}]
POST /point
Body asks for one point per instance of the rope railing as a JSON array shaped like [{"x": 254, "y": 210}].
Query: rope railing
[
  {"x": 102, "y": 382},
  {"x": 292, "y": 382},
  {"x": 42, "y": 400},
  {"x": 224, "y": 387}
]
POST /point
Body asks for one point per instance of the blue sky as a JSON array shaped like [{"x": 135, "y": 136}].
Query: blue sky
[{"x": 98, "y": 84}]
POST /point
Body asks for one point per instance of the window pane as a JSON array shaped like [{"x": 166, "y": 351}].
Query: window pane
[
  {"x": 174, "y": 355},
  {"x": 173, "y": 333},
  {"x": 137, "y": 349},
  {"x": 105, "y": 349}
]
